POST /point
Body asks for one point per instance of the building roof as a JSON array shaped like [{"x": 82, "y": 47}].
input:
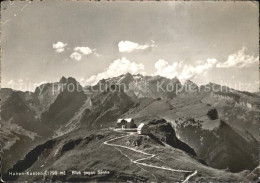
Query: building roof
[
  {"x": 140, "y": 126},
  {"x": 119, "y": 120},
  {"x": 128, "y": 119}
]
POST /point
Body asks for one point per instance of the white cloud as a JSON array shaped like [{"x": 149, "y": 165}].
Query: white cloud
[
  {"x": 116, "y": 68},
  {"x": 189, "y": 71},
  {"x": 81, "y": 79},
  {"x": 76, "y": 56},
  {"x": 83, "y": 50},
  {"x": 185, "y": 72},
  {"x": 164, "y": 69},
  {"x": 160, "y": 64},
  {"x": 128, "y": 46},
  {"x": 97, "y": 54},
  {"x": 59, "y": 46},
  {"x": 239, "y": 59},
  {"x": 79, "y": 52},
  {"x": 40, "y": 83}
]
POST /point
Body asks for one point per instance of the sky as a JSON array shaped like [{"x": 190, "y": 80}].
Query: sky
[{"x": 200, "y": 41}]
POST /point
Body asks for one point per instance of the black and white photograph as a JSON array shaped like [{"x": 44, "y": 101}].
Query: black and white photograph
[{"x": 129, "y": 91}]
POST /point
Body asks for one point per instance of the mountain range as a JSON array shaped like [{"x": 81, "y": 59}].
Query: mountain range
[{"x": 212, "y": 128}]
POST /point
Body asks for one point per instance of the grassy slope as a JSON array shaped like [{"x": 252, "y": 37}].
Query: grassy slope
[{"x": 86, "y": 151}]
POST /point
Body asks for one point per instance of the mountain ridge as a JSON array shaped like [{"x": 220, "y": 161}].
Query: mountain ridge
[{"x": 61, "y": 111}]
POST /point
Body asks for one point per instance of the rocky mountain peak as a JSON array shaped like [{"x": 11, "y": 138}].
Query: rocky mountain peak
[
  {"x": 72, "y": 80},
  {"x": 189, "y": 82},
  {"x": 190, "y": 85},
  {"x": 175, "y": 80},
  {"x": 127, "y": 78},
  {"x": 63, "y": 80},
  {"x": 68, "y": 80},
  {"x": 128, "y": 74}
]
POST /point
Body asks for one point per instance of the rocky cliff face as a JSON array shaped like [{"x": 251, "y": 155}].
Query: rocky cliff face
[
  {"x": 164, "y": 132},
  {"x": 107, "y": 107},
  {"x": 247, "y": 102},
  {"x": 219, "y": 146},
  {"x": 239, "y": 109}
]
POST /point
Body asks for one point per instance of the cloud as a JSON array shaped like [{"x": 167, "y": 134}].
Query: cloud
[
  {"x": 59, "y": 47},
  {"x": 189, "y": 71},
  {"x": 97, "y": 54},
  {"x": 24, "y": 84},
  {"x": 128, "y": 46},
  {"x": 79, "y": 52},
  {"x": 239, "y": 59},
  {"x": 183, "y": 72},
  {"x": 76, "y": 56},
  {"x": 83, "y": 50},
  {"x": 116, "y": 68},
  {"x": 164, "y": 69}
]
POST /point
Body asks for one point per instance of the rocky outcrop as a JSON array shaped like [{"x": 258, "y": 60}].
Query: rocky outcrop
[
  {"x": 213, "y": 114},
  {"x": 239, "y": 99},
  {"x": 215, "y": 141},
  {"x": 163, "y": 130},
  {"x": 65, "y": 105},
  {"x": 190, "y": 86}
]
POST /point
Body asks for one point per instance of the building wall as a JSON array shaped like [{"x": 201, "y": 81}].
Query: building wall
[
  {"x": 119, "y": 125},
  {"x": 130, "y": 124},
  {"x": 144, "y": 130}
]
